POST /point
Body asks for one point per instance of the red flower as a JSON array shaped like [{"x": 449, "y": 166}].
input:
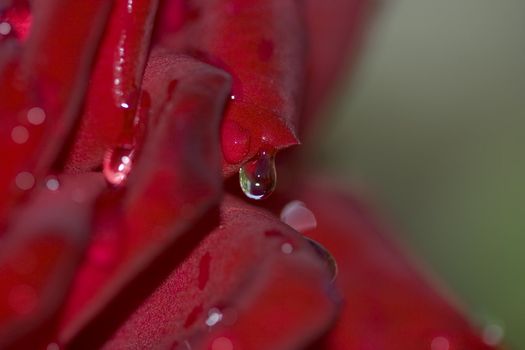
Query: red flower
[{"x": 120, "y": 121}]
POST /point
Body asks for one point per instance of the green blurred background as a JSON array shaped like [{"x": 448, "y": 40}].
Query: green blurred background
[{"x": 433, "y": 122}]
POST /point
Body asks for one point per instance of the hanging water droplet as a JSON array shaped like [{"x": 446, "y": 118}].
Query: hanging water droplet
[
  {"x": 118, "y": 163},
  {"x": 326, "y": 256},
  {"x": 258, "y": 177}
]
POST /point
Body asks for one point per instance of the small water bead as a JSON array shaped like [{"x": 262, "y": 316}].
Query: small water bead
[
  {"x": 52, "y": 183},
  {"x": 325, "y": 255},
  {"x": 36, "y": 116},
  {"x": 222, "y": 343},
  {"x": 214, "y": 317},
  {"x": 19, "y": 135},
  {"x": 296, "y": 215},
  {"x": 287, "y": 248},
  {"x": 24, "y": 180},
  {"x": 258, "y": 177},
  {"x": 493, "y": 334},
  {"x": 5, "y": 28},
  {"x": 440, "y": 343},
  {"x": 117, "y": 164}
]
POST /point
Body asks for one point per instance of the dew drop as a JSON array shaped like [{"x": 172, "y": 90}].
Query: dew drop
[
  {"x": 287, "y": 248},
  {"x": 214, "y": 317},
  {"x": 5, "y": 28},
  {"x": 117, "y": 164},
  {"x": 52, "y": 183},
  {"x": 440, "y": 343},
  {"x": 24, "y": 180},
  {"x": 222, "y": 343},
  {"x": 53, "y": 346},
  {"x": 325, "y": 255},
  {"x": 19, "y": 135},
  {"x": 493, "y": 334},
  {"x": 258, "y": 177},
  {"x": 36, "y": 116},
  {"x": 296, "y": 215}
]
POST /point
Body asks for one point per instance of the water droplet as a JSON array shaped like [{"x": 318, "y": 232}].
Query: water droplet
[
  {"x": 325, "y": 255},
  {"x": 214, "y": 317},
  {"x": 222, "y": 343},
  {"x": 287, "y": 248},
  {"x": 5, "y": 28},
  {"x": 204, "y": 270},
  {"x": 440, "y": 343},
  {"x": 36, "y": 116},
  {"x": 258, "y": 177},
  {"x": 19, "y": 134},
  {"x": 52, "y": 183},
  {"x": 53, "y": 346},
  {"x": 117, "y": 164},
  {"x": 24, "y": 180},
  {"x": 298, "y": 216},
  {"x": 493, "y": 334},
  {"x": 235, "y": 141}
]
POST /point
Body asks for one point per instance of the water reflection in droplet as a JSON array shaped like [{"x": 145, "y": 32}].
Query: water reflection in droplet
[
  {"x": 258, "y": 177},
  {"x": 19, "y": 135},
  {"x": 24, "y": 180},
  {"x": 298, "y": 216},
  {"x": 214, "y": 317},
  {"x": 117, "y": 164},
  {"x": 326, "y": 256}
]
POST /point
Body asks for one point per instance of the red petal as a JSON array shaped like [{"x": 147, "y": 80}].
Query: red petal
[
  {"x": 261, "y": 44},
  {"x": 39, "y": 255},
  {"x": 336, "y": 29},
  {"x": 389, "y": 304},
  {"x": 175, "y": 182},
  {"x": 49, "y": 73},
  {"x": 259, "y": 275},
  {"x": 115, "y": 83}
]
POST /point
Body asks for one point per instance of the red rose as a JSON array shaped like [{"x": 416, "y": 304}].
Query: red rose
[{"x": 121, "y": 121}]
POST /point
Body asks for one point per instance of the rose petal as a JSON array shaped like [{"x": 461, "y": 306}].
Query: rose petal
[
  {"x": 115, "y": 83},
  {"x": 261, "y": 44},
  {"x": 252, "y": 279},
  {"x": 175, "y": 182},
  {"x": 389, "y": 303},
  {"x": 39, "y": 254},
  {"x": 41, "y": 88}
]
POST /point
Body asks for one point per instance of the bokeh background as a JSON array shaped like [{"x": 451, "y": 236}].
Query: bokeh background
[{"x": 433, "y": 123}]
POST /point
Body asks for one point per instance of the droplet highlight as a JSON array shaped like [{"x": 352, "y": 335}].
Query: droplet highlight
[
  {"x": 222, "y": 343},
  {"x": 440, "y": 343},
  {"x": 52, "y": 183},
  {"x": 326, "y": 256},
  {"x": 258, "y": 177},
  {"x": 117, "y": 164},
  {"x": 214, "y": 317},
  {"x": 296, "y": 215}
]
